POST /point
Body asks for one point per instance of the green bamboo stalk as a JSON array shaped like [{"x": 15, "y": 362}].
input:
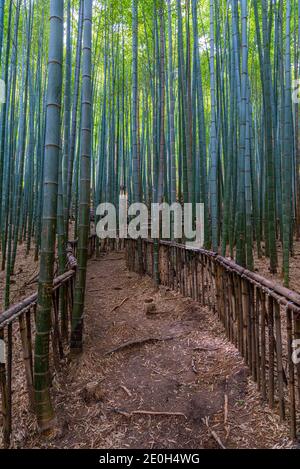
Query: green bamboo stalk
[
  {"x": 85, "y": 181},
  {"x": 44, "y": 408}
]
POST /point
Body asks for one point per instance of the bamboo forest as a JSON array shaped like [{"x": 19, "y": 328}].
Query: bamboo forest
[{"x": 149, "y": 226}]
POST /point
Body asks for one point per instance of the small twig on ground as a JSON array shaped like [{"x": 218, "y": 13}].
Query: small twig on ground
[
  {"x": 213, "y": 433},
  {"x": 226, "y": 403},
  {"x": 194, "y": 367},
  {"x": 126, "y": 390},
  {"x": 33, "y": 278},
  {"x": 226, "y": 411},
  {"x": 122, "y": 412},
  {"x": 118, "y": 306},
  {"x": 151, "y": 413},
  {"x": 166, "y": 414},
  {"x": 134, "y": 343},
  {"x": 32, "y": 281}
]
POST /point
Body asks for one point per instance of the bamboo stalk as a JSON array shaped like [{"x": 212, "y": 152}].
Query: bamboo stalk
[
  {"x": 271, "y": 351},
  {"x": 27, "y": 357},
  {"x": 291, "y": 381},
  {"x": 279, "y": 362},
  {"x": 263, "y": 346}
]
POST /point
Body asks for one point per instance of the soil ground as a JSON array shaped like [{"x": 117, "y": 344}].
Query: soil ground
[
  {"x": 24, "y": 280},
  {"x": 181, "y": 368}
]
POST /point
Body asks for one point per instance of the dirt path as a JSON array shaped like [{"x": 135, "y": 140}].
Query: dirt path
[{"x": 186, "y": 366}]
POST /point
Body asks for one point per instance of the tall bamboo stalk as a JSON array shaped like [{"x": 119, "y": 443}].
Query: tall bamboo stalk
[
  {"x": 49, "y": 219},
  {"x": 85, "y": 180}
]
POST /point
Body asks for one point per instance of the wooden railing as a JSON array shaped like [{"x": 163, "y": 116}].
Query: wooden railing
[
  {"x": 17, "y": 332},
  {"x": 260, "y": 318}
]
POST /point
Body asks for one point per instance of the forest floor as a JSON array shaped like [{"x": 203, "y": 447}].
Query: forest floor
[
  {"x": 262, "y": 267},
  {"x": 176, "y": 382},
  {"x": 23, "y": 282}
]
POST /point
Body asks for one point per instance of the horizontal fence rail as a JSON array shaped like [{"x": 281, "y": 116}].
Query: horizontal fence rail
[
  {"x": 260, "y": 318},
  {"x": 17, "y": 333}
]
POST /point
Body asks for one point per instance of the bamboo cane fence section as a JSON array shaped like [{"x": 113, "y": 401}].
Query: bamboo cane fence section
[
  {"x": 17, "y": 329},
  {"x": 260, "y": 318}
]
